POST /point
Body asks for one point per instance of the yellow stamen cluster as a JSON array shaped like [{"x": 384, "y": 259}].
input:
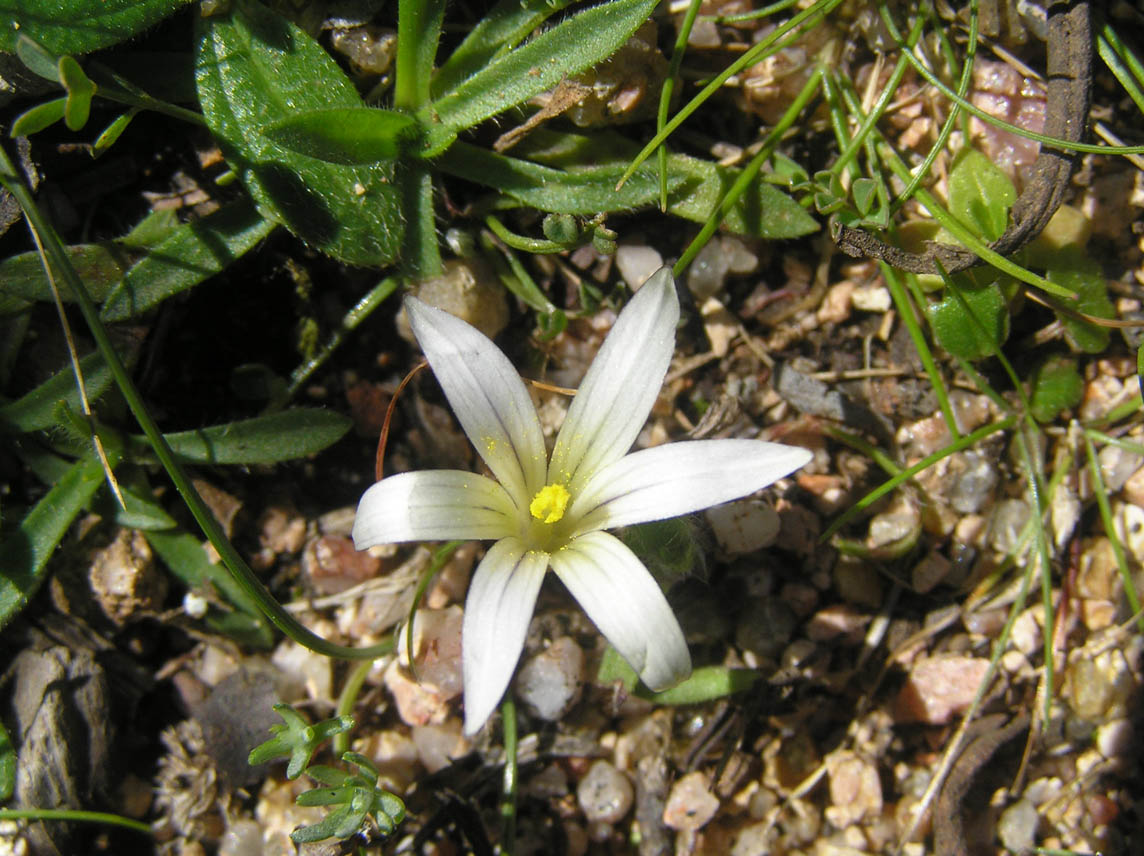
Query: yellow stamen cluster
[{"x": 550, "y": 503}]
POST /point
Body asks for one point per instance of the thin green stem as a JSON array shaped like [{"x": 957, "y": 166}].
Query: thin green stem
[
  {"x": 440, "y": 557},
  {"x": 920, "y": 174},
  {"x": 418, "y": 32},
  {"x": 783, "y": 35},
  {"x": 538, "y": 246},
  {"x": 350, "y": 321},
  {"x": 1122, "y": 62},
  {"x": 346, "y": 701},
  {"x": 879, "y": 107},
  {"x": 74, "y": 816},
  {"x": 970, "y": 107},
  {"x": 1100, "y": 491},
  {"x": 954, "y": 226},
  {"x": 908, "y": 473},
  {"x": 422, "y": 254},
  {"x": 745, "y": 178},
  {"x": 677, "y": 53},
  {"x": 509, "y": 783},
  {"x": 123, "y": 91},
  {"x": 906, "y": 310},
  {"x": 234, "y": 562}
]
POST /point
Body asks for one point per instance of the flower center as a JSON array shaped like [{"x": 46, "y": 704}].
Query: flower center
[{"x": 550, "y": 503}]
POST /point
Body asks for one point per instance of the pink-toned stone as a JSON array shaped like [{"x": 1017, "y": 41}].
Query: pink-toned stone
[
  {"x": 939, "y": 688},
  {"x": 416, "y": 703},
  {"x": 439, "y": 745},
  {"x": 333, "y": 564},
  {"x": 835, "y": 621},
  {"x": 690, "y": 804},
  {"x": 855, "y": 788}
]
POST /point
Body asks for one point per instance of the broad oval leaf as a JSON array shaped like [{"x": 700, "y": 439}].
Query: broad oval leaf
[
  {"x": 1056, "y": 386},
  {"x": 971, "y": 323},
  {"x": 254, "y": 68},
  {"x": 345, "y": 135},
  {"x": 568, "y": 48},
  {"x": 1073, "y": 269},
  {"x": 980, "y": 194},
  {"x": 79, "y": 26}
]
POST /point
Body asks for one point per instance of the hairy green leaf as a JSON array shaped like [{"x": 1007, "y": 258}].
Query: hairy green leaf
[
  {"x": 188, "y": 255},
  {"x": 345, "y": 135},
  {"x": 568, "y": 48},
  {"x": 587, "y": 190},
  {"x": 506, "y": 25},
  {"x": 254, "y": 68},
  {"x": 79, "y": 26},
  {"x": 263, "y": 439},
  {"x": 27, "y": 549},
  {"x": 100, "y": 265},
  {"x": 7, "y": 766},
  {"x": 763, "y": 211},
  {"x": 36, "y": 411}
]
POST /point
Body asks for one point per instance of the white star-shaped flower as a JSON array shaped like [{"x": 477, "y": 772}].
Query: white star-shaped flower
[{"x": 551, "y": 512}]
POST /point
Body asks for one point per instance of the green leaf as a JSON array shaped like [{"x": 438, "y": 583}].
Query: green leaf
[
  {"x": 1056, "y": 386},
  {"x": 79, "y": 26},
  {"x": 763, "y": 211},
  {"x": 100, "y": 265},
  {"x": 80, "y": 89},
  {"x": 111, "y": 134},
  {"x": 36, "y": 411},
  {"x": 35, "y": 119},
  {"x": 185, "y": 557},
  {"x": 588, "y": 190},
  {"x": 704, "y": 684},
  {"x": 505, "y": 26},
  {"x": 41, "y": 62},
  {"x": 254, "y": 68},
  {"x": 568, "y": 48},
  {"x": 1073, "y": 269},
  {"x": 972, "y": 323},
  {"x": 7, "y": 766},
  {"x": 28, "y": 548},
  {"x": 263, "y": 439},
  {"x": 980, "y": 194},
  {"x": 187, "y": 256},
  {"x": 346, "y": 135}
]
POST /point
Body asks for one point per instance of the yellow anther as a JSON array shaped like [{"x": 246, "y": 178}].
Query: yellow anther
[{"x": 549, "y": 503}]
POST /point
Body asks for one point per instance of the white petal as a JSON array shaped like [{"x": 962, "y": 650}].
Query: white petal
[
  {"x": 433, "y": 505},
  {"x": 678, "y": 478},
  {"x": 622, "y": 383},
  {"x": 487, "y": 396},
  {"x": 501, "y": 598},
  {"x": 620, "y": 596}
]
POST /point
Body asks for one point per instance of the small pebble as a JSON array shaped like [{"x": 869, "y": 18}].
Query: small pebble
[
  {"x": 1017, "y": 826},
  {"x": 973, "y": 486},
  {"x": 930, "y": 571},
  {"x": 439, "y": 745},
  {"x": 744, "y": 526},
  {"x": 871, "y": 298},
  {"x": 939, "y": 688},
  {"x": 1009, "y": 518},
  {"x": 469, "y": 289},
  {"x": 1117, "y": 465},
  {"x": 605, "y": 794},
  {"x": 637, "y": 262},
  {"x": 764, "y": 627},
  {"x": 855, "y": 788},
  {"x": 899, "y": 522},
  {"x": 548, "y": 684},
  {"x": 690, "y": 804},
  {"x": 333, "y": 564}
]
